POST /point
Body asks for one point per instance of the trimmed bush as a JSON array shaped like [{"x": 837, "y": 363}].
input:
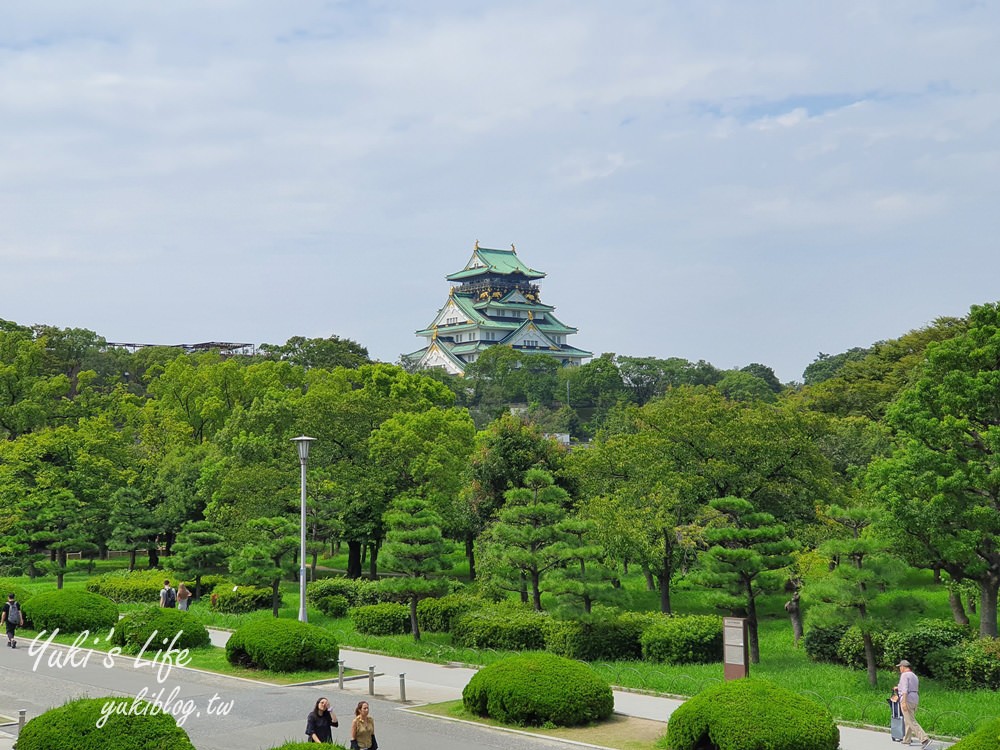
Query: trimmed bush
[
  {"x": 236, "y": 600},
  {"x": 512, "y": 628},
  {"x": 694, "y": 639},
  {"x": 129, "y": 586},
  {"x": 987, "y": 737},
  {"x": 821, "y": 641},
  {"x": 751, "y": 713},
  {"x": 9, "y": 586},
  {"x": 282, "y": 646},
  {"x": 72, "y": 611},
  {"x": 135, "y": 628},
  {"x": 537, "y": 689},
  {"x": 917, "y": 642},
  {"x": 326, "y": 587},
  {"x": 968, "y": 666},
  {"x": 596, "y": 639},
  {"x": 335, "y": 606},
  {"x": 438, "y": 615},
  {"x": 851, "y": 649},
  {"x": 73, "y": 726},
  {"x": 382, "y": 619}
]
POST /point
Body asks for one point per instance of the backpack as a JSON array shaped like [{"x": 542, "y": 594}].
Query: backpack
[
  {"x": 14, "y": 613},
  {"x": 170, "y": 599}
]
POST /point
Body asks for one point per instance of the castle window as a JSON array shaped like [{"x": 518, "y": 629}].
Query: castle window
[{"x": 451, "y": 321}]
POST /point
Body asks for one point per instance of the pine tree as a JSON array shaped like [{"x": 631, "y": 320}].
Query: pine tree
[{"x": 198, "y": 551}]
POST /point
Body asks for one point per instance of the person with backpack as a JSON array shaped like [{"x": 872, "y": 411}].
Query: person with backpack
[
  {"x": 168, "y": 597},
  {"x": 12, "y": 616}
]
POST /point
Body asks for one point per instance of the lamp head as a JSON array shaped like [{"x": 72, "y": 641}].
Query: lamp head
[{"x": 302, "y": 443}]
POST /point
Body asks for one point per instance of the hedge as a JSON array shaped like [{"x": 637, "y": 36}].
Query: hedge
[
  {"x": 335, "y": 606},
  {"x": 596, "y": 639},
  {"x": 71, "y": 611},
  {"x": 693, "y": 639},
  {"x": 136, "y": 627},
  {"x": 382, "y": 619},
  {"x": 73, "y": 726},
  {"x": 539, "y": 689},
  {"x": 751, "y": 713},
  {"x": 920, "y": 640},
  {"x": 971, "y": 665},
  {"x": 438, "y": 615},
  {"x": 851, "y": 648},
  {"x": 236, "y": 600},
  {"x": 821, "y": 641},
  {"x": 508, "y": 628},
  {"x": 294, "y": 745},
  {"x": 282, "y": 646},
  {"x": 987, "y": 737},
  {"x": 129, "y": 586}
]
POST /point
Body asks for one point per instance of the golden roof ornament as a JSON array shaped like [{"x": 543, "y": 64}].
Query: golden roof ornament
[
  {"x": 513, "y": 249},
  {"x": 477, "y": 244}
]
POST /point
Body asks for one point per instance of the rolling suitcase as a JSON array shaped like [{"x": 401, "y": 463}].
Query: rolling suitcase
[{"x": 897, "y": 728}]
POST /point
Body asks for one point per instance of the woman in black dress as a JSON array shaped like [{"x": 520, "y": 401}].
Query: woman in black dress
[{"x": 319, "y": 725}]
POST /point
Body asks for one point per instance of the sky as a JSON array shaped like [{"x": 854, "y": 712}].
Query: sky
[{"x": 729, "y": 181}]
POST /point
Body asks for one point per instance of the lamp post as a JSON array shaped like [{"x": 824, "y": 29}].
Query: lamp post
[{"x": 302, "y": 443}]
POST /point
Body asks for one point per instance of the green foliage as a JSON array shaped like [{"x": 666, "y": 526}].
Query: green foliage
[
  {"x": 600, "y": 638},
  {"x": 136, "y": 627},
  {"x": 851, "y": 649},
  {"x": 970, "y": 665},
  {"x": 74, "y": 726},
  {"x": 71, "y": 611},
  {"x": 438, "y": 615},
  {"x": 128, "y": 586},
  {"x": 508, "y": 628},
  {"x": 8, "y": 586},
  {"x": 986, "y": 737},
  {"x": 238, "y": 599},
  {"x": 387, "y": 618},
  {"x": 282, "y": 646},
  {"x": 917, "y": 641},
  {"x": 305, "y": 746},
  {"x": 538, "y": 689},
  {"x": 750, "y": 713},
  {"x": 334, "y": 606},
  {"x": 694, "y": 639},
  {"x": 822, "y": 639}
]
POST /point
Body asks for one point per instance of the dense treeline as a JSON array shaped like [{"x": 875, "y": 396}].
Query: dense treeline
[{"x": 883, "y": 457}]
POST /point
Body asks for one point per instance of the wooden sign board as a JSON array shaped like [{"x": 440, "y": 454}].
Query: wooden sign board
[{"x": 735, "y": 649}]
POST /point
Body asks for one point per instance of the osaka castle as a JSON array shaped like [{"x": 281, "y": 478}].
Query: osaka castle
[{"x": 494, "y": 301}]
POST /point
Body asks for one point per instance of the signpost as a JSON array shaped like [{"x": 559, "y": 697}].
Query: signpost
[{"x": 736, "y": 653}]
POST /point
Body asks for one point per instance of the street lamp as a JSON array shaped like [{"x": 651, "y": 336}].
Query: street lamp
[{"x": 302, "y": 443}]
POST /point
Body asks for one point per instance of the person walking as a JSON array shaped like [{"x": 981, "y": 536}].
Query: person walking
[
  {"x": 11, "y": 616},
  {"x": 363, "y": 729},
  {"x": 320, "y": 722},
  {"x": 183, "y": 597},
  {"x": 907, "y": 693},
  {"x": 168, "y": 597}
]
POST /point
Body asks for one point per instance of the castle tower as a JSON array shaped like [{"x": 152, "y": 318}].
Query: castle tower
[{"x": 493, "y": 302}]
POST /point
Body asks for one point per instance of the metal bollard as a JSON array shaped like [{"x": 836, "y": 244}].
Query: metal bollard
[
  {"x": 402, "y": 686},
  {"x": 340, "y": 673},
  {"x": 21, "y": 714},
  {"x": 371, "y": 680}
]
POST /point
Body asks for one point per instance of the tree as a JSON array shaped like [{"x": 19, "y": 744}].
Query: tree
[
  {"x": 740, "y": 385},
  {"x": 269, "y": 557},
  {"x": 54, "y": 524},
  {"x": 198, "y": 551},
  {"x": 414, "y": 547},
  {"x": 585, "y": 579},
  {"x": 328, "y": 353},
  {"x": 860, "y": 571},
  {"x": 942, "y": 482},
  {"x": 133, "y": 524},
  {"x": 766, "y": 374},
  {"x": 528, "y": 537},
  {"x": 746, "y": 549}
]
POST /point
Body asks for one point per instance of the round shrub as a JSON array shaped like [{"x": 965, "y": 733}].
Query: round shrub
[
  {"x": 987, "y": 737},
  {"x": 694, "y": 639},
  {"x": 821, "y": 641},
  {"x": 917, "y": 642},
  {"x": 508, "y": 628},
  {"x": 236, "y": 600},
  {"x": 333, "y": 606},
  {"x": 136, "y": 628},
  {"x": 971, "y": 665},
  {"x": 437, "y": 615},
  {"x": 282, "y": 646},
  {"x": 605, "y": 638},
  {"x": 74, "y": 726},
  {"x": 749, "y": 713},
  {"x": 851, "y": 649},
  {"x": 9, "y": 586},
  {"x": 326, "y": 587},
  {"x": 71, "y": 611},
  {"x": 537, "y": 689},
  {"x": 128, "y": 586},
  {"x": 382, "y": 619}
]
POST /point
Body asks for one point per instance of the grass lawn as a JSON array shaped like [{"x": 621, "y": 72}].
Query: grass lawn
[{"x": 620, "y": 732}]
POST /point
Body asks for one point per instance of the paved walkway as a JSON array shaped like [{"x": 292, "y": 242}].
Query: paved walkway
[{"x": 431, "y": 683}]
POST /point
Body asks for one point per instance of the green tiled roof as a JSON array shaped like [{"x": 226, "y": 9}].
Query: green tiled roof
[{"x": 504, "y": 262}]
